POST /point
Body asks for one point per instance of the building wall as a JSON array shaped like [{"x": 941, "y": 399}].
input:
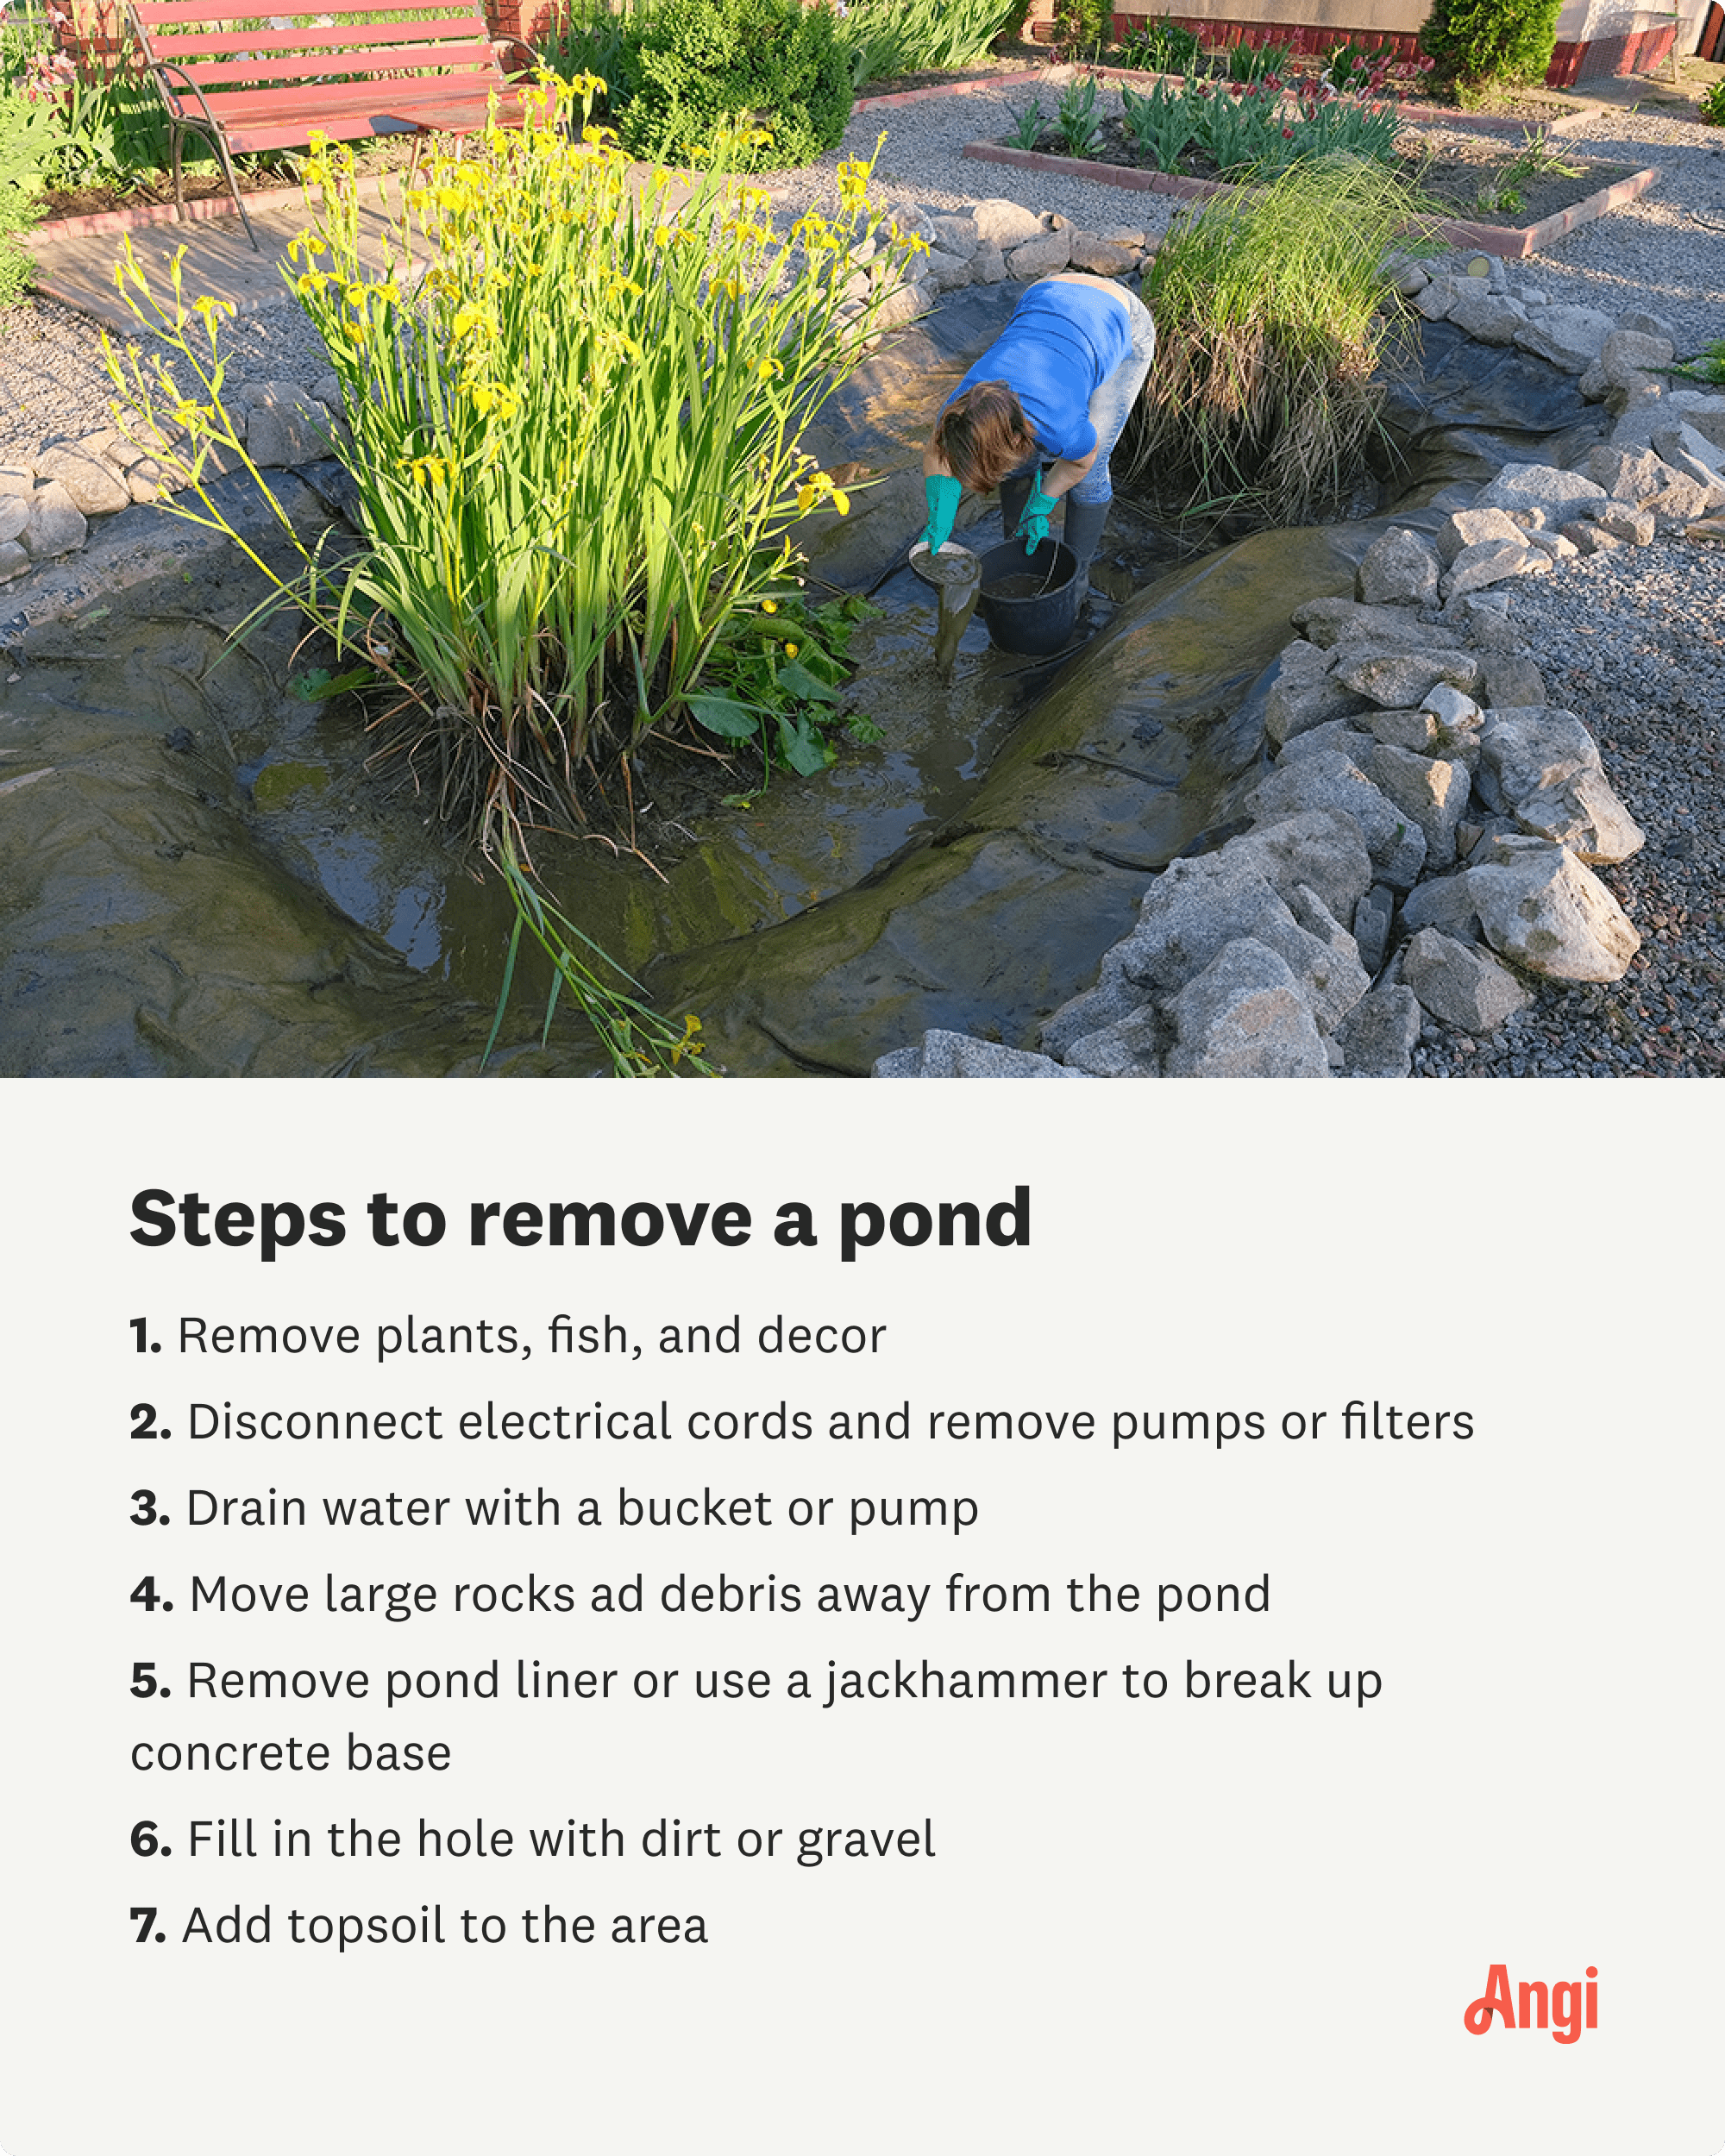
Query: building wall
[{"x": 1595, "y": 37}]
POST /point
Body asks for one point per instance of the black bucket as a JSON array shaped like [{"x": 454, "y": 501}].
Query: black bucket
[{"x": 1042, "y": 618}]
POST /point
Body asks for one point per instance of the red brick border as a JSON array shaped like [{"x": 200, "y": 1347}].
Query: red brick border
[
  {"x": 1512, "y": 242},
  {"x": 98, "y": 221}
]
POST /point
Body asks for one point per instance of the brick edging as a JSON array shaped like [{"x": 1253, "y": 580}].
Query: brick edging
[
  {"x": 965, "y": 86},
  {"x": 1512, "y": 242},
  {"x": 98, "y": 221}
]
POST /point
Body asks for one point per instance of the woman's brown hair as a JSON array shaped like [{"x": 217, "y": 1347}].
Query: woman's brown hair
[{"x": 983, "y": 434}]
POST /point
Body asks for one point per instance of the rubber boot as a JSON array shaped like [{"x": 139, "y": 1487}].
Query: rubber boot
[
  {"x": 1082, "y": 532},
  {"x": 1015, "y": 500}
]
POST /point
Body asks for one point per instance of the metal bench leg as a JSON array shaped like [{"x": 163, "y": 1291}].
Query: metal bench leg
[{"x": 232, "y": 178}]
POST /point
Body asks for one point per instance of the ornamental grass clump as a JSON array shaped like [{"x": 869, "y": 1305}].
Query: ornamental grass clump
[
  {"x": 1266, "y": 303},
  {"x": 573, "y": 405}
]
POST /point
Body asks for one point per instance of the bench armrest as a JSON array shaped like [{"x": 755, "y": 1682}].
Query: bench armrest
[{"x": 520, "y": 45}]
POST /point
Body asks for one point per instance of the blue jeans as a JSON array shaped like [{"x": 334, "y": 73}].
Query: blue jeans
[{"x": 1112, "y": 399}]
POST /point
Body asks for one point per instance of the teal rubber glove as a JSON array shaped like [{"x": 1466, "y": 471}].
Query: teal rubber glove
[
  {"x": 944, "y": 497},
  {"x": 1033, "y": 527}
]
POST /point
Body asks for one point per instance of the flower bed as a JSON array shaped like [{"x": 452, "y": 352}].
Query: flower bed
[{"x": 1610, "y": 185}]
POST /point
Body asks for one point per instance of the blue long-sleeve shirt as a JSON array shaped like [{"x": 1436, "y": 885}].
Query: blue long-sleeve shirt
[{"x": 1062, "y": 343}]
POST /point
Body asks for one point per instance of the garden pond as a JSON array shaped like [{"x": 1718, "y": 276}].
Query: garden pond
[{"x": 200, "y": 874}]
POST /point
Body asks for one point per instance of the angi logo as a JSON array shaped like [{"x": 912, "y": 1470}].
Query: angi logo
[{"x": 1559, "y": 2007}]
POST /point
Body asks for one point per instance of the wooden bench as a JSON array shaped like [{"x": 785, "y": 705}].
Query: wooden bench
[{"x": 344, "y": 68}]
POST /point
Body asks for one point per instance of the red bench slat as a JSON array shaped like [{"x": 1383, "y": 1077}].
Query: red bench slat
[
  {"x": 466, "y": 60},
  {"x": 194, "y": 15},
  {"x": 355, "y": 128},
  {"x": 237, "y": 108},
  {"x": 184, "y": 50}
]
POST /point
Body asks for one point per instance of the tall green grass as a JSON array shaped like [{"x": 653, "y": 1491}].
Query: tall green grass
[
  {"x": 1269, "y": 330},
  {"x": 889, "y": 38}
]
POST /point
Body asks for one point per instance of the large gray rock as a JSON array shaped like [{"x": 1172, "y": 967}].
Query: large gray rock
[
  {"x": 1434, "y": 298},
  {"x": 1583, "y": 812},
  {"x": 1635, "y": 527},
  {"x": 1627, "y": 352},
  {"x": 1570, "y": 337},
  {"x": 1459, "y": 985},
  {"x": 1003, "y": 224},
  {"x": 56, "y": 525},
  {"x": 1399, "y": 567},
  {"x": 1400, "y": 679},
  {"x": 1492, "y": 317},
  {"x": 1416, "y": 730},
  {"x": 1703, "y": 410},
  {"x": 1345, "y": 734},
  {"x": 1394, "y": 842},
  {"x": 1133, "y": 1047},
  {"x": 1454, "y": 712},
  {"x": 1524, "y": 750},
  {"x": 1372, "y": 920},
  {"x": 1329, "y": 622},
  {"x": 1319, "y": 847},
  {"x": 946, "y": 273},
  {"x": 1444, "y": 902},
  {"x": 957, "y": 235},
  {"x": 1195, "y": 908},
  {"x": 1491, "y": 562},
  {"x": 1466, "y": 528},
  {"x": 13, "y": 561},
  {"x": 987, "y": 265},
  {"x": 1556, "y": 493},
  {"x": 939, "y": 1054},
  {"x": 1540, "y": 907},
  {"x": 1244, "y": 1017},
  {"x": 284, "y": 425},
  {"x": 1678, "y": 439},
  {"x": 1305, "y": 693},
  {"x": 1432, "y": 790},
  {"x": 1095, "y": 1010},
  {"x": 1511, "y": 678},
  {"x": 1627, "y": 475},
  {"x": 1691, "y": 491},
  {"x": 1378, "y": 1036},
  {"x": 1102, "y": 258},
  {"x": 1331, "y": 993},
  {"x": 1040, "y": 257},
  {"x": 94, "y": 488},
  {"x": 14, "y": 514}
]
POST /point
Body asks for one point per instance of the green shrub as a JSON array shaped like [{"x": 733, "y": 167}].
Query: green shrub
[
  {"x": 781, "y": 69},
  {"x": 1711, "y": 109},
  {"x": 1162, "y": 47},
  {"x": 1082, "y": 26},
  {"x": 1491, "y": 41}
]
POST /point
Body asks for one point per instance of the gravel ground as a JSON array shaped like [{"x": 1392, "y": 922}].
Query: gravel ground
[{"x": 1635, "y": 642}]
